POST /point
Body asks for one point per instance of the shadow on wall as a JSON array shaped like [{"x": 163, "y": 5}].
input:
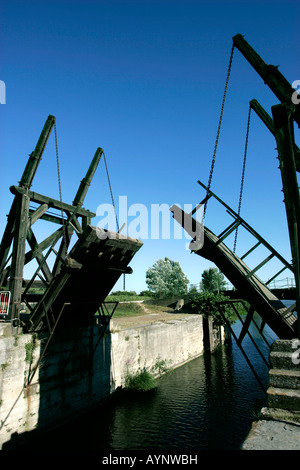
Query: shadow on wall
[{"x": 73, "y": 377}]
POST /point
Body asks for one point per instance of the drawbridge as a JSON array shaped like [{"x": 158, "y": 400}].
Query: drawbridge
[
  {"x": 73, "y": 287},
  {"x": 282, "y": 320},
  {"x": 273, "y": 312}
]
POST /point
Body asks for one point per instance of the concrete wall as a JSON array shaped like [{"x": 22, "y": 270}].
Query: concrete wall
[
  {"x": 172, "y": 343},
  {"x": 80, "y": 368}
]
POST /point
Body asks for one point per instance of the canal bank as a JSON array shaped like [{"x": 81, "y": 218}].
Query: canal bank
[
  {"x": 82, "y": 367},
  {"x": 209, "y": 403},
  {"x": 273, "y": 435}
]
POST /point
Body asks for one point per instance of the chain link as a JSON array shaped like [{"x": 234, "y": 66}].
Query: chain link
[
  {"x": 60, "y": 192},
  {"x": 219, "y": 128},
  {"x": 243, "y": 175},
  {"x": 111, "y": 193}
]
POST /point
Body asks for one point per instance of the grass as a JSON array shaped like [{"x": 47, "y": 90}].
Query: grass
[
  {"x": 125, "y": 297},
  {"x": 128, "y": 309},
  {"x": 140, "y": 382}
]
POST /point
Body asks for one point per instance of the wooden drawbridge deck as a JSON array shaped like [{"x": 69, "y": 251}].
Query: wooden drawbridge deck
[
  {"x": 94, "y": 265},
  {"x": 273, "y": 312}
]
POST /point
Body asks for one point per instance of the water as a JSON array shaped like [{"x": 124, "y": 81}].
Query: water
[{"x": 209, "y": 403}]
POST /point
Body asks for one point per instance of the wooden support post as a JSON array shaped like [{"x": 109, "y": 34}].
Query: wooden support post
[
  {"x": 36, "y": 156},
  {"x": 284, "y": 134},
  {"x": 85, "y": 183},
  {"x": 19, "y": 230},
  {"x": 18, "y": 256},
  {"x": 268, "y": 121},
  {"x": 269, "y": 73}
]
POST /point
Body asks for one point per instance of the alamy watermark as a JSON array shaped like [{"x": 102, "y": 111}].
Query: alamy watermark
[
  {"x": 296, "y": 354},
  {"x": 295, "y": 95},
  {"x": 160, "y": 221},
  {"x": 2, "y": 92}
]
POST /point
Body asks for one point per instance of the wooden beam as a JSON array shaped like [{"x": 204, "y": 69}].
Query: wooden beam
[
  {"x": 8, "y": 235},
  {"x": 37, "y": 214},
  {"x": 18, "y": 254},
  {"x": 39, "y": 256},
  {"x": 54, "y": 203},
  {"x": 36, "y": 155},
  {"x": 260, "y": 265}
]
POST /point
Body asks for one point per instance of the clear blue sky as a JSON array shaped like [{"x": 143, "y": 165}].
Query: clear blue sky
[{"x": 144, "y": 80}]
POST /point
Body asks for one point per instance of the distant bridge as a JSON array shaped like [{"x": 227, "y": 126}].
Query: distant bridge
[
  {"x": 281, "y": 294},
  {"x": 281, "y": 288}
]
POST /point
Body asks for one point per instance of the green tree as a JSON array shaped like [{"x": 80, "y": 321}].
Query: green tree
[
  {"x": 215, "y": 305},
  {"x": 166, "y": 278},
  {"x": 193, "y": 290},
  {"x": 213, "y": 280}
]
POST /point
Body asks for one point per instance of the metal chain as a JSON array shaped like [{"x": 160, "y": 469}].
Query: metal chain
[
  {"x": 219, "y": 128},
  {"x": 111, "y": 193},
  {"x": 60, "y": 192},
  {"x": 112, "y": 198},
  {"x": 243, "y": 176}
]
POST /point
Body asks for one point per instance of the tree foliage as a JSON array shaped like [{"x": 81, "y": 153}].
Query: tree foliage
[
  {"x": 166, "y": 278},
  {"x": 211, "y": 304},
  {"x": 213, "y": 280}
]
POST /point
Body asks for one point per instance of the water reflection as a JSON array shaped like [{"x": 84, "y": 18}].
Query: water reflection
[{"x": 209, "y": 403}]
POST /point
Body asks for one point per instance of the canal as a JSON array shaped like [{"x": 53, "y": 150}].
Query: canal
[{"x": 206, "y": 404}]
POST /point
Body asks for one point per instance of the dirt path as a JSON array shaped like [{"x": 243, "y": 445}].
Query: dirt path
[{"x": 152, "y": 314}]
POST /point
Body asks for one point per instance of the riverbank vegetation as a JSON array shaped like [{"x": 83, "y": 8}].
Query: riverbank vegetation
[
  {"x": 216, "y": 305},
  {"x": 140, "y": 382},
  {"x": 128, "y": 296},
  {"x": 207, "y": 304}
]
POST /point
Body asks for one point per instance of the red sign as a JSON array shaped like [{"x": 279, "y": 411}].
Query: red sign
[{"x": 4, "y": 302}]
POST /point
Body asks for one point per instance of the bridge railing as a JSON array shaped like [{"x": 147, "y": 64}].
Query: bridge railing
[{"x": 285, "y": 283}]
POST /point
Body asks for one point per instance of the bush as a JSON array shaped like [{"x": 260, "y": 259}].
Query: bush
[
  {"x": 140, "y": 382},
  {"x": 210, "y": 304},
  {"x": 146, "y": 293},
  {"x": 124, "y": 293}
]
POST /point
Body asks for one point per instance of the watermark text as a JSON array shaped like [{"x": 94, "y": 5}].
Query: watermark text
[
  {"x": 157, "y": 222},
  {"x": 296, "y": 95},
  {"x": 2, "y": 92}
]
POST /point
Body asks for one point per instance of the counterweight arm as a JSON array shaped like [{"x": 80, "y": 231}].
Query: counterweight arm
[
  {"x": 269, "y": 73},
  {"x": 36, "y": 155}
]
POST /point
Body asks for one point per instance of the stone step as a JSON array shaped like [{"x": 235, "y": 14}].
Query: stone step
[
  {"x": 285, "y": 345},
  {"x": 284, "y": 378},
  {"x": 277, "y": 414},
  {"x": 285, "y": 360},
  {"x": 282, "y": 398}
]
